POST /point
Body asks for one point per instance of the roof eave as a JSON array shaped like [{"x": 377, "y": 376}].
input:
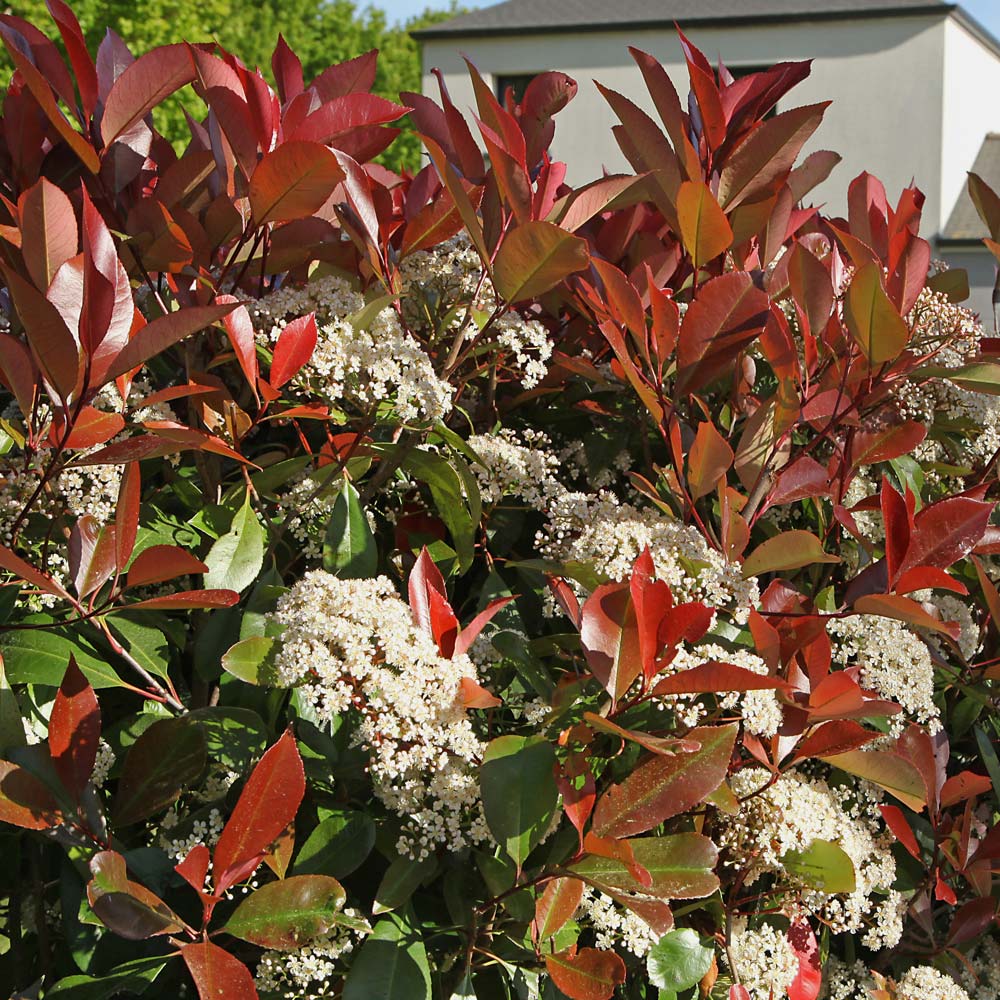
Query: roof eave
[{"x": 439, "y": 32}]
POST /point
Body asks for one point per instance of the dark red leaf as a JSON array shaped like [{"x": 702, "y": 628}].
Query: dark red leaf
[
  {"x": 609, "y": 632},
  {"x": 946, "y": 531},
  {"x": 194, "y": 868},
  {"x": 79, "y": 55},
  {"x": 16, "y": 565},
  {"x": 162, "y": 333},
  {"x": 728, "y": 313},
  {"x": 871, "y": 447},
  {"x": 127, "y": 515},
  {"x": 186, "y": 600},
  {"x": 711, "y": 677},
  {"x": 267, "y": 805},
  {"x": 239, "y": 329},
  {"x": 834, "y": 737},
  {"x": 143, "y": 85},
  {"x": 91, "y": 555},
  {"x": 470, "y": 632},
  {"x": 48, "y": 231}
]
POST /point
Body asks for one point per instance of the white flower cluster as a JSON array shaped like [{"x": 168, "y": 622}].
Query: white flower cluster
[
  {"x": 203, "y": 831},
  {"x": 763, "y": 959},
  {"x": 615, "y": 925},
  {"x": 761, "y": 710},
  {"x": 367, "y": 365},
  {"x": 103, "y": 763},
  {"x": 981, "y": 978},
  {"x": 609, "y": 535},
  {"x": 952, "y": 609},
  {"x": 527, "y": 345},
  {"x": 508, "y": 467},
  {"x": 793, "y": 812},
  {"x": 923, "y": 982},
  {"x": 955, "y": 333},
  {"x": 352, "y": 646},
  {"x": 846, "y": 982},
  {"x": 894, "y": 661},
  {"x": 313, "y": 971}
]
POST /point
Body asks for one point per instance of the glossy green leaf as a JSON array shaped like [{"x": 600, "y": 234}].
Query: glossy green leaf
[
  {"x": 252, "y": 660},
  {"x": 679, "y": 960},
  {"x": 287, "y": 914},
  {"x": 132, "y": 977},
  {"x": 349, "y": 549},
  {"x": 338, "y": 845},
  {"x": 391, "y": 965},
  {"x": 519, "y": 792},
  {"x": 400, "y": 882},
  {"x": 823, "y": 865},
  {"x": 888, "y": 770},
  {"x": 236, "y": 559}
]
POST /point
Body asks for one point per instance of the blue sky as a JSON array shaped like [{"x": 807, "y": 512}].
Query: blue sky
[{"x": 986, "y": 11}]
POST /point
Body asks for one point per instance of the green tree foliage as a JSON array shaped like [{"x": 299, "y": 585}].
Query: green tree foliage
[{"x": 321, "y": 32}]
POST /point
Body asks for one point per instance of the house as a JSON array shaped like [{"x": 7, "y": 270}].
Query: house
[{"x": 915, "y": 86}]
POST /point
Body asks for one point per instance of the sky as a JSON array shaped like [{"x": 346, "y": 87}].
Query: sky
[{"x": 986, "y": 12}]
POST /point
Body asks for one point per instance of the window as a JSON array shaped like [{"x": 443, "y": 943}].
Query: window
[{"x": 518, "y": 82}]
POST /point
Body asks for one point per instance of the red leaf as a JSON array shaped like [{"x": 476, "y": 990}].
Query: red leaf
[
  {"x": 186, "y": 600},
  {"x": 566, "y": 599},
  {"x": 74, "y": 730},
  {"x": 294, "y": 348},
  {"x": 16, "y": 565},
  {"x": 901, "y": 829},
  {"x": 217, "y": 974},
  {"x": 707, "y": 678},
  {"x": 143, "y": 85},
  {"x": 555, "y": 907},
  {"x": 929, "y": 578},
  {"x": 709, "y": 460},
  {"x": 578, "y": 795},
  {"x": 100, "y": 278},
  {"x": 834, "y": 737},
  {"x": 807, "y": 983},
  {"x": 429, "y": 603},
  {"x": 618, "y": 850},
  {"x": 287, "y": 69},
  {"x": 946, "y": 531},
  {"x": 293, "y": 181},
  {"x": 162, "y": 333},
  {"x": 870, "y": 447},
  {"x": 127, "y": 515},
  {"x": 535, "y": 257},
  {"x": 79, "y": 56},
  {"x": 159, "y": 563},
  {"x": 24, "y": 800},
  {"x": 94, "y": 427},
  {"x": 50, "y": 340},
  {"x": 964, "y": 786},
  {"x": 588, "y": 974},
  {"x": 91, "y": 555},
  {"x": 609, "y": 633},
  {"x": 666, "y": 786},
  {"x": 728, "y": 313},
  {"x": 903, "y": 609},
  {"x": 470, "y": 632},
  {"x": 738, "y": 992},
  {"x": 898, "y": 520},
  {"x": 239, "y": 329},
  {"x": 48, "y": 231},
  {"x": 343, "y": 115},
  {"x": 194, "y": 868},
  {"x": 652, "y": 602},
  {"x": 352, "y": 76},
  {"x": 267, "y": 805}
]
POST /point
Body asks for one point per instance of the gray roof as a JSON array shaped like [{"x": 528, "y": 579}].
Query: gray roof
[
  {"x": 964, "y": 223},
  {"x": 515, "y": 16}
]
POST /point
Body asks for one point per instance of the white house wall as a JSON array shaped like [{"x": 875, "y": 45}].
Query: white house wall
[
  {"x": 885, "y": 76},
  {"x": 972, "y": 108}
]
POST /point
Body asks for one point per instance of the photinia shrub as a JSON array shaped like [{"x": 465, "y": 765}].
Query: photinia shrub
[{"x": 464, "y": 585}]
